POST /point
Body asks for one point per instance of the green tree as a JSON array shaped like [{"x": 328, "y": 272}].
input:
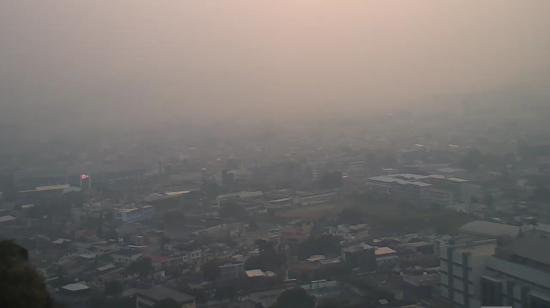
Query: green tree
[
  {"x": 330, "y": 180},
  {"x": 210, "y": 270},
  {"x": 142, "y": 267},
  {"x": 351, "y": 216},
  {"x": 224, "y": 292},
  {"x": 167, "y": 303},
  {"x": 232, "y": 209},
  {"x": 173, "y": 219},
  {"x": 331, "y": 303},
  {"x": 113, "y": 302},
  {"x": 268, "y": 259},
  {"x": 113, "y": 288},
  {"x": 472, "y": 160},
  {"x": 20, "y": 285},
  {"x": 295, "y": 298},
  {"x": 324, "y": 244}
]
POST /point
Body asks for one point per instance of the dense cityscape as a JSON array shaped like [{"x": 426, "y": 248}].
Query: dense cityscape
[
  {"x": 408, "y": 217},
  {"x": 274, "y": 154}
]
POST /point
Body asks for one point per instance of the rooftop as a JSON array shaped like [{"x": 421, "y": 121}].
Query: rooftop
[
  {"x": 534, "y": 248},
  {"x": 489, "y": 229},
  {"x": 7, "y": 218},
  {"x": 382, "y": 251},
  {"x": 74, "y": 287},
  {"x": 49, "y": 188},
  {"x": 159, "y": 293},
  {"x": 391, "y": 179},
  {"x": 166, "y": 196},
  {"x": 106, "y": 267},
  {"x": 480, "y": 250},
  {"x": 356, "y": 248},
  {"x": 255, "y": 273},
  {"x": 422, "y": 280}
]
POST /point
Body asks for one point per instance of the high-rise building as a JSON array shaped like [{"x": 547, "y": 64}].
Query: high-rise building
[
  {"x": 518, "y": 275},
  {"x": 461, "y": 267},
  {"x": 514, "y": 273}
]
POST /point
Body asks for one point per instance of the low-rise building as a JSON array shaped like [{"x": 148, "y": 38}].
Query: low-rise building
[
  {"x": 487, "y": 229},
  {"x": 419, "y": 287},
  {"x": 240, "y": 196},
  {"x": 430, "y": 189},
  {"x": 360, "y": 256},
  {"x": 135, "y": 214},
  {"x": 126, "y": 256},
  {"x": 461, "y": 267},
  {"x": 385, "y": 256},
  {"x": 519, "y": 274},
  {"x": 231, "y": 271},
  {"x": 149, "y": 298}
]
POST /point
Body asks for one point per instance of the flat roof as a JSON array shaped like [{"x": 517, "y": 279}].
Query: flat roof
[
  {"x": 255, "y": 273},
  {"x": 166, "y": 195},
  {"x": 7, "y": 218},
  {"x": 316, "y": 258},
  {"x": 73, "y": 287},
  {"x": 409, "y": 176},
  {"x": 422, "y": 280},
  {"x": 380, "y": 251},
  {"x": 241, "y": 194},
  {"x": 458, "y": 180},
  {"x": 479, "y": 249},
  {"x": 392, "y": 179},
  {"x": 159, "y": 293},
  {"x": 128, "y": 210},
  {"x": 106, "y": 267},
  {"x": 61, "y": 241},
  {"x": 358, "y": 247},
  {"x": 531, "y": 247},
  {"x": 489, "y": 229}
]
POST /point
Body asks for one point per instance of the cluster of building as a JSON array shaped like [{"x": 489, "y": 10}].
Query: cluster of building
[
  {"x": 494, "y": 265},
  {"x": 211, "y": 230},
  {"x": 426, "y": 189}
]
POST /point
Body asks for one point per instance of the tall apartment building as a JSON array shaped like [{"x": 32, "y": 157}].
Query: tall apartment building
[
  {"x": 461, "y": 267},
  {"x": 514, "y": 273},
  {"x": 518, "y": 275}
]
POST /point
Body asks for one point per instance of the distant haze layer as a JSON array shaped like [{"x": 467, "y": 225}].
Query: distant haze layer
[{"x": 93, "y": 63}]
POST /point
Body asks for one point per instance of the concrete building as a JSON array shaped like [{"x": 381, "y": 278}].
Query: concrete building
[
  {"x": 135, "y": 214},
  {"x": 519, "y": 274},
  {"x": 322, "y": 289},
  {"x": 385, "y": 256},
  {"x": 151, "y": 297},
  {"x": 409, "y": 187},
  {"x": 487, "y": 229},
  {"x": 419, "y": 287},
  {"x": 126, "y": 256},
  {"x": 434, "y": 188},
  {"x": 461, "y": 267},
  {"x": 231, "y": 271},
  {"x": 315, "y": 198},
  {"x": 240, "y": 196},
  {"x": 359, "y": 256}
]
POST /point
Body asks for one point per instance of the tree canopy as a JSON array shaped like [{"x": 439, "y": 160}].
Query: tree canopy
[
  {"x": 210, "y": 270},
  {"x": 141, "y": 267},
  {"x": 20, "y": 285},
  {"x": 232, "y": 209},
  {"x": 295, "y": 298},
  {"x": 268, "y": 259},
  {"x": 319, "y": 245}
]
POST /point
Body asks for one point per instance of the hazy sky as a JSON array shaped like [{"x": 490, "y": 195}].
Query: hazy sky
[{"x": 73, "y": 63}]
